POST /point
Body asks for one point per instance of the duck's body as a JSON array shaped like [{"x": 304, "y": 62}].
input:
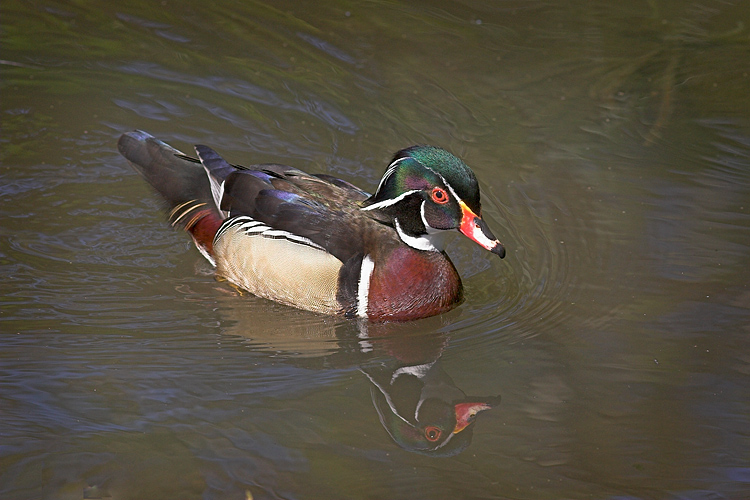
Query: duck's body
[{"x": 316, "y": 242}]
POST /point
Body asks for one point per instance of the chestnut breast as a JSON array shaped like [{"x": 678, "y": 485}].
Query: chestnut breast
[{"x": 410, "y": 284}]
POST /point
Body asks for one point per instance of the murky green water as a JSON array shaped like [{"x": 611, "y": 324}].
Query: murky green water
[{"x": 612, "y": 144}]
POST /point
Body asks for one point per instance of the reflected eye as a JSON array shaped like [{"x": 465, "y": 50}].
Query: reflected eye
[
  {"x": 439, "y": 195},
  {"x": 432, "y": 433}
]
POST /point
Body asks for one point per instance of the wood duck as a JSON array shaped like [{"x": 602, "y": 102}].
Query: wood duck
[{"x": 319, "y": 243}]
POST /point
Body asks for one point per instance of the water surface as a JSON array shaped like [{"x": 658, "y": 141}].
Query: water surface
[{"x": 612, "y": 145}]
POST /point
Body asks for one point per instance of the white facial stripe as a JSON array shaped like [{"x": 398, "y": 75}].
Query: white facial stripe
[
  {"x": 424, "y": 219},
  {"x": 418, "y": 242},
  {"x": 389, "y": 401},
  {"x": 450, "y": 188},
  {"x": 389, "y": 171},
  {"x": 416, "y": 409},
  {"x": 392, "y": 201},
  {"x": 363, "y": 287},
  {"x": 427, "y": 227},
  {"x": 450, "y": 436}
]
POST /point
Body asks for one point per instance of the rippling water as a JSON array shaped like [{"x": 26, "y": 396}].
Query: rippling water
[{"x": 612, "y": 145}]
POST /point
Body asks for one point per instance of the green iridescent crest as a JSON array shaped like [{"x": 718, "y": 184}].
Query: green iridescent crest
[{"x": 420, "y": 168}]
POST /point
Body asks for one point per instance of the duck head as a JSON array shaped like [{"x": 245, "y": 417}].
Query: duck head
[{"x": 427, "y": 191}]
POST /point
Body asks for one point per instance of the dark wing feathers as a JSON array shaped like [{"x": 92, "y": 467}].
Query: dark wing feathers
[
  {"x": 322, "y": 208},
  {"x": 214, "y": 163},
  {"x": 355, "y": 193},
  {"x": 241, "y": 189},
  {"x": 318, "y": 207}
]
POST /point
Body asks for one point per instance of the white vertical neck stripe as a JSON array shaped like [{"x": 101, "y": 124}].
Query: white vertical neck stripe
[
  {"x": 423, "y": 242},
  {"x": 363, "y": 287}
]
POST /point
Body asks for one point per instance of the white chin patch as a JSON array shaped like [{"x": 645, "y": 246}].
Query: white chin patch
[{"x": 433, "y": 242}]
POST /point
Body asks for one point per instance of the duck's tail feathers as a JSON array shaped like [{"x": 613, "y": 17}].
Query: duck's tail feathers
[{"x": 181, "y": 181}]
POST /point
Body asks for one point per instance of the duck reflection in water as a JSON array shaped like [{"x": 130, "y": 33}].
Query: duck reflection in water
[{"x": 417, "y": 402}]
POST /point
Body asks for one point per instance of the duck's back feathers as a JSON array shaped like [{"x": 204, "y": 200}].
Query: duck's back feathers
[{"x": 320, "y": 208}]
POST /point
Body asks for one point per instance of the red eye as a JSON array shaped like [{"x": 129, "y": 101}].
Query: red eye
[
  {"x": 432, "y": 433},
  {"x": 439, "y": 196}
]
